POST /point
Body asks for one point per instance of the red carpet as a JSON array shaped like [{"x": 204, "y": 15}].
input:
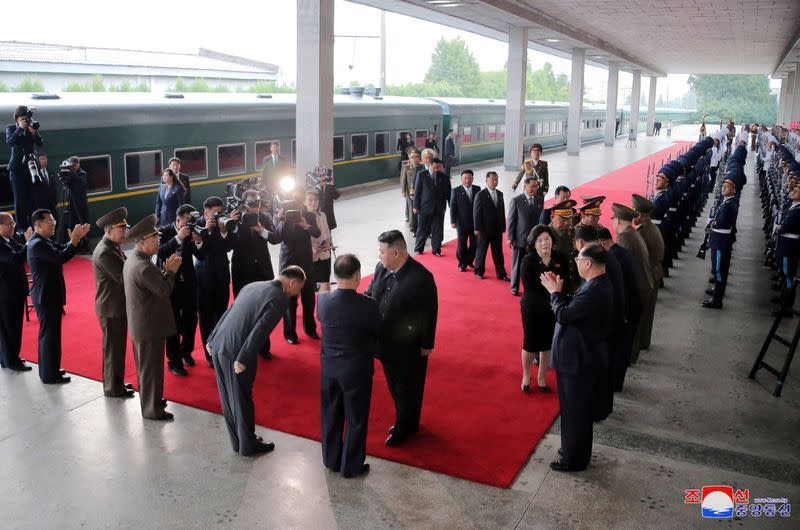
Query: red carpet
[{"x": 476, "y": 424}]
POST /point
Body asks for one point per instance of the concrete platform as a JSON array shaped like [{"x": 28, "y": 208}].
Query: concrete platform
[{"x": 688, "y": 417}]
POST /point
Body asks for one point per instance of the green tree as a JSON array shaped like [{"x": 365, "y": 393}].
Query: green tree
[
  {"x": 74, "y": 86},
  {"x": 97, "y": 84},
  {"x": 747, "y": 97},
  {"x": 3, "y": 87},
  {"x": 29, "y": 84},
  {"x": 199, "y": 85},
  {"x": 453, "y": 63},
  {"x": 268, "y": 87}
]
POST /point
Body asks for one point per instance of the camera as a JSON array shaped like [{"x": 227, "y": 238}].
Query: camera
[
  {"x": 32, "y": 161},
  {"x": 194, "y": 217},
  {"x": 316, "y": 179},
  {"x": 65, "y": 172},
  {"x": 29, "y": 118}
]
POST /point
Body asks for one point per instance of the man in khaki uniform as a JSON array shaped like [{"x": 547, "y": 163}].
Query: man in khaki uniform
[
  {"x": 109, "y": 301},
  {"x": 629, "y": 239},
  {"x": 150, "y": 319},
  {"x": 534, "y": 167},
  {"x": 655, "y": 249},
  {"x": 408, "y": 176}
]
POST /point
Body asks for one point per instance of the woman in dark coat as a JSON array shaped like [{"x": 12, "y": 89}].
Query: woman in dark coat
[
  {"x": 170, "y": 197},
  {"x": 538, "y": 320}
]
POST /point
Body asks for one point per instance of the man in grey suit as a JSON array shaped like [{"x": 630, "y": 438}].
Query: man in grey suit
[
  {"x": 523, "y": 214},
  {"x": 234, "y": 346}
]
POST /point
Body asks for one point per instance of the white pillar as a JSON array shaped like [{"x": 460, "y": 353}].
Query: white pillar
[
  {"x": 515, "y": 98},
  {"x": 790, "y": 90},
  {"x": 314, "y": 113},
  {"x": 795, "y": 114},
  {"x": 781, "y": 101},
  {"x": 636, "y": 95},
  {"x": 651, "y": 106},
  {"x": 382, "y": 81},
  {"x": 611, "y": 102},
  {"x": 575, "y": 102}
]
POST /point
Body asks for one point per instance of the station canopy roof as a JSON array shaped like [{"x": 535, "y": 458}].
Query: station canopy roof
[{"x": 657, "y": 37}]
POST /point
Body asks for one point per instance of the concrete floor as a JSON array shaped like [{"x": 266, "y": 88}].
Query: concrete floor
[{"x": 688, "y": 417}]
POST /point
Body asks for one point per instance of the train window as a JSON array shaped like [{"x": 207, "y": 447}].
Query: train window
[
  {"x": 6, "y": 197},
  {"x": 420, "y": 137},
  {"x": 501, "y": 131},
  {"x": 294, "y": 152},
  {"x": 338, "y": 147},
  {"x": 491, "y": 132},
  {"x": 454, "y": 127},
  {"x": 194, "y": 161},
  {"x": 143, "y": 169},
  {"x": 382, "y": 143},
  {"x": 479, "y": 133},
  {"x": 539, "y": 129},
  {"x": 560, "y": 126},
  {"x": 231, "y": 159},
  {"x": 553, "y": 126},
  {"x": 466, "y": 135},
  {"x": 98, "y": 173},
  {"x": 263, "y": 151},
  {"x": 400, "y": 134},
  {"x": 358, "y": 145}
]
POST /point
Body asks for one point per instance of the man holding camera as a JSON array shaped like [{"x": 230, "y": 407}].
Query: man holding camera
[
  {"x": 213, "y": 268},
  {"x": 23, "y": 138},
  {"x": 76, "y": 181},
  {"x": 183, "y": 240}
]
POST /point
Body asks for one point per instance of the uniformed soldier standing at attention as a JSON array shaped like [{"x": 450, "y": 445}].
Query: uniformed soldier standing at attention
[
  {"x": 721, "y": 243},
  {"x": 13, "y": 294},
  {"x": 408, "y": 177},
  {"x": 655, "y": 250},
  {"x": 536, "y": 168},
  {"x": 109, "y": 301},
  {"x": 150, "y": 318},
  {"x": 349, "y": 323}
]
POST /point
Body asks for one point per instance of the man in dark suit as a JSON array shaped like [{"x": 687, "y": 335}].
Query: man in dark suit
[
  {"x": 449, "y": 152},
  {"x": 431, "y": 195},
  {"x": 46, "y": 190},
  {"x": 274, "y": 167},
  {"x": 13, "y": 294},
  {"x": 489, "y": 217},
  {"x": 579, "y": 344},
  {"x": 462, "y": 200},
  {"x": 234, "y": 345},
  {"x": 213, "y": 267},
  {"x": 523, "y": 214},
  {"x": 408, "y": 303},
  {"x": 349, "y": 330},
  {"x": 183, "y": 179},
  {"x": 180, "y": 239},
  {"x": 23, "y": 139},
  {"x": 46, "y": 259}
]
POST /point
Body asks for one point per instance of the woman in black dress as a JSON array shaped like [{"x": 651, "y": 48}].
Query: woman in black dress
[{"x": 538, "y": 320}]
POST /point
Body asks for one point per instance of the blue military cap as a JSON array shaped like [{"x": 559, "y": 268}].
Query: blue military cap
[
  {"x": 667, "y": 172},
  {"x": 737, "y": 176}
]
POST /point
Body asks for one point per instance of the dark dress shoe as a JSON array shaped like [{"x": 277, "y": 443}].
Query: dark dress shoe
[
  {"x": 313, "y": 335},
  {"x": 395, "y": 439},
  {"x": 712, "y": 280},
  {"x": 544, "y": 389},
  {"x": 504, "y": 279},
  {"x": 462, "y": 268},
  {"x": 163, "y": 402},
  {"x": 712, "y": 304},
  {"x": 514, "y": 292},
  {"x": 19, "y": 367},
  {"x": 124, "y": 393},
  {"x": 479, "y": 276},
  {"x": 165, "y": 416},
  {"x": 437, "y": 253},
  {"x": 363, "y": 471},
  {"x": 180, "y": 371},
  {"x": 292, "y": 339},
  {"x": 62, "y": 372},
  {"x": 262, "y": 448},
  {"x": 559, "y": 465},
  {"x": 188, "y": 360},
  {"x": 129, "y": 386},
  {"x": 61, "y": 380},
  {"x": 710, "y": 291}
]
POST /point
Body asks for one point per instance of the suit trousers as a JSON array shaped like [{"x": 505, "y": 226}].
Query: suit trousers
[
  {"x": 411, "y": 217},
  {"x": 575, "y": 398},
  {"x": 648, "y": 314},
  {"x": 115, "y": 340},
  {"x": 11, "y": 331},
  {"x": 307, "y": 299},
  {"x": 236, "y": 397},
  {"x": 49, "y": 341},
  {"x": 184, "y": 307},
  {"x": 484, "y": 242},
  {"x": 517, "y": 255},
  {"x": 149, "y": 357},
  {"x": 465, "y": 252},
  {"x": 430, "y": 224},
  {"x": 211, "y": 307},
  {"x": 405, "y": 376},
  {"x": 345, "y": 394}
]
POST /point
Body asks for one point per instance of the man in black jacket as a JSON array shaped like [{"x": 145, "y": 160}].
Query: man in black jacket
[
  {"x": 449, "y": 154},
  {"x": 180, "y": 239},
  {"x": 408, "y": 303},
  {"x": 489, "y": 213},
  {"x": 462, "y": 200},
  {"x": 183, "y": 179},
  {"x": 23, "y": 139},
  {"x": 46, "y": 259},
  {"x": 431, "y": 195},
  {"x": 523, "y": 214},
  {"x": 13, "y": 294},
  {"x": 579, "y": 347}
]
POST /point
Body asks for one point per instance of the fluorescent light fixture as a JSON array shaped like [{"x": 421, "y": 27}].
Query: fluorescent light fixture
[
  {"x": 552, "y": 40},
  {"x": 450, "y": 5},
  {"x": 597, "y": 56},
  {"x": 438, "y": 1}
]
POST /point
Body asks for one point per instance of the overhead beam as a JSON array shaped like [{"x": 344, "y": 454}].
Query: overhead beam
[{"x": 787, "y": 56}]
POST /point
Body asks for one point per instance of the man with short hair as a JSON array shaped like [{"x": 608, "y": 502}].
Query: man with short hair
[
  {"x": 523, "y": 214},
  {"x": 562, "y": 194},
  {"x": 408, "y": 176},
  {"x": 489, "y": 213},
  {"x": 46, "y": 259},
  {"x": 536, "y": 168},
  {"x": 349, "y": 331},
  {"x": 23, "y": 139},
  {"x": 408, "y": 302},
  {"x": 45, "y": 191},
  {"x": 449, "y": 154},
  {"x": 579, "y": 341},
  {"x": 431, "y": 195},
  {"x": 109, "y": 301},
  {"x": 590, "y": 211},
  {"x": 274, "y": 166},
  {"x": 183, "y": 179},
  {"x": 150, "y": 317},
  {"x": 462, "y": 200},
  {"x": 13, "y": 294},
  {"x": 234, "y": 345},
  {"x": 77, "y": 183}
]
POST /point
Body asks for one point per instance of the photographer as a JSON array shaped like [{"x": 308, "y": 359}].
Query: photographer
[
  {"x": 297, "y": 227},
  {"x": 182, "y": 239},
  {"x": 22, "y": 137},
  {"x": 75, "y": 179},
  {"x": 213, "y": 269}
]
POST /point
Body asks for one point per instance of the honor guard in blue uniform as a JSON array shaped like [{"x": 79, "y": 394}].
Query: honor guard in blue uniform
[
  {"x": 661, "y": 215},
  {"x": 721, "y": 244},
  {"x": 788, "y": 252}
]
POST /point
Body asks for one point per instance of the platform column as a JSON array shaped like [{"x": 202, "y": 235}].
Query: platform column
[
  {"x": 791, "y": 87},
  {"x": 651, "y": 106},
  {"x": 636, "y": 95},
  {"x": 575, "y": 102},
  {"x": 314, "y": 110},
  {"x": 515, "y": 98},
  {"x": 795, "y": 114},
  {"x": 611, "y": 103}
]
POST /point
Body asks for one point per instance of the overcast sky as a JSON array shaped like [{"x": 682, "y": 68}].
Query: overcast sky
[{"x": 266, "y": 30}]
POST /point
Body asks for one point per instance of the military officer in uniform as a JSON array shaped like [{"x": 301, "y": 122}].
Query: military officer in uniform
[
  {"x": 536, "y": 168},
  {"x": 109, "y": 301},
  {"x": 408, "y": 177},
  {"x": 13, "y": 294},
  {"x": 561, "y": 218},
  {"x": 150, "y": 318},
  {"x": 655, "y": 250},
  {"x": 590, "y": 212}
]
